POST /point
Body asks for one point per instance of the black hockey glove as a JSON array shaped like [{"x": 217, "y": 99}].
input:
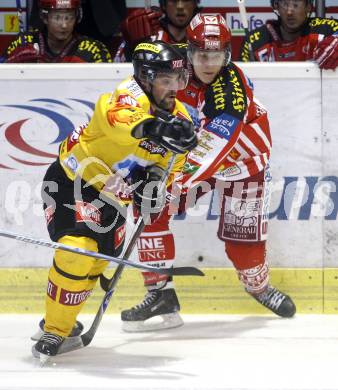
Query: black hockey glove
[
  {"x": 175, "y": 134},
  {"x": 149, "y": 194}
]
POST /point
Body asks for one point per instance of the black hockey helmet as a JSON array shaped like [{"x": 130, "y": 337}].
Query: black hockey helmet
[
  {"x": 151, "y": 59},
  {"x": 274, "y": 3}
]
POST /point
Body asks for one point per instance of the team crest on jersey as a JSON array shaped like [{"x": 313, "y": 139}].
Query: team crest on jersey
[{"x": 128, "y": 100}]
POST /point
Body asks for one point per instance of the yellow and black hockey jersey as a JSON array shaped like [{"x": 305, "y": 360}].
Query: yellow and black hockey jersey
[{"x": 104, "y": 153}]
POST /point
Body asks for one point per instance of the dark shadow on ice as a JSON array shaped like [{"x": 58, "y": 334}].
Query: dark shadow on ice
[{"x": 111, "y": 362}]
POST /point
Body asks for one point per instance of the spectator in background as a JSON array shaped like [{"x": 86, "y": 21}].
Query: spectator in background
[
  {"x": 294, "y": 36},
  {"x": 57, "y": 41},
  {"x": 102, "y": 19},
  {"x": 167, "y": 23}
]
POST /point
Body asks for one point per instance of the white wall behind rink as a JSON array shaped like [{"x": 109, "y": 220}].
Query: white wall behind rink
[{"x": 40, "y": 103}]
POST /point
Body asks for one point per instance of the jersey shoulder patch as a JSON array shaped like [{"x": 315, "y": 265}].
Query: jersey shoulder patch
[
  {"x": 259, "y": 37},
  {"x": 92, "y": 50},
  {"x": 20, "y": 41},
  {"x": 323, "y": 26}
]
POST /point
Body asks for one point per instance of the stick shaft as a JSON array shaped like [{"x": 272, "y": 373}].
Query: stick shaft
[
  {"x": 79, "y": 251},
  {"x": 244, "y": 20}
]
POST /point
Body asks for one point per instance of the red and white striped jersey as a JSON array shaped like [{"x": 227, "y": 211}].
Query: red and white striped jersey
[{"x": 233, "y": 128}]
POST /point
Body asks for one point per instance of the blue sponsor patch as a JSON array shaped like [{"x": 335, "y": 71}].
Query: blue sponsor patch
[{"x": 223, "y": 125}]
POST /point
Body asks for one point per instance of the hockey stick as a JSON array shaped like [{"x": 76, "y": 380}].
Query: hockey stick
[
  {"x": 73, "y": 343},
  {"x": 20, "y": 17},
  {"x": 84, "y": 252},
  {"x": 244, "y": 19}
]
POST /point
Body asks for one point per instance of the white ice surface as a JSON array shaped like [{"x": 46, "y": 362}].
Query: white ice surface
[{"x": 208, "y": 352}]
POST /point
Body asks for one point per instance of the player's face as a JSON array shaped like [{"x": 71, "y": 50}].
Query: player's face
[
  {"x": 180, "y": 12},
  {"x": 293, "y": 13},
  {"x": 60, "y": 24},
  {"x": 165, "y": 87},
  {"x": 207, "y": 64}
]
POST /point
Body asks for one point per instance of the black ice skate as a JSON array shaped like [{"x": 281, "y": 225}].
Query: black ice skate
[
  {"x": 47, "y": 346},
  {"x": 156, "y": 303},
  {"x": 276, "y": 301},
  {"x": 76, "y": 331}
]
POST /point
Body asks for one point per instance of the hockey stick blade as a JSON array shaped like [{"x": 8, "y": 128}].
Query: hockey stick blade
[
  {"x": 84, "y": 252},
  {"x": 71, "y": 344},
  {"x": 177, "y": 271},
  {"x": 187, "y": 271}
]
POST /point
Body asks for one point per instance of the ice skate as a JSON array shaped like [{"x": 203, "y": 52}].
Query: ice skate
[
  {"x": 47, "y": 346},
  {"x": 159, "y": 310},
  {"x": 76, "y": 331},
  {"x": 276, "y": 301}
]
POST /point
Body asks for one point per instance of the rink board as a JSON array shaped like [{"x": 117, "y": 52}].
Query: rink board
[
  {"x": 40, "y": 106},
  {"x": 218, "y": 292}
]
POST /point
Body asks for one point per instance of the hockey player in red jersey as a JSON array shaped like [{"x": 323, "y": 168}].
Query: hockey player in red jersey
[
  {"x": 167, "y": 23},
  {"x": 58, "y": 42},
  {"x": 294, "y": 36},
  {"x": 232, "y": 158}
]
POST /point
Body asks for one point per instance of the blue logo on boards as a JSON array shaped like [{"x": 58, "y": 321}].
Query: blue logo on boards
[{"x": 223, "y": 125}]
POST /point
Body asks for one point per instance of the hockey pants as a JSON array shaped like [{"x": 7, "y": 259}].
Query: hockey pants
[{"x": 242, "y": 227}]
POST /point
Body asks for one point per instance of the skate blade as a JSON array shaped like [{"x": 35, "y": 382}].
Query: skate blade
[
  {"x": 43, "y": 359},
  {"x": 172, "y": 320}
]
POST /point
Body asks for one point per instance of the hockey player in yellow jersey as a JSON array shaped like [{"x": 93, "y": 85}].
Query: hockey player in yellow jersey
[{"x": 103, "y": 166}]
